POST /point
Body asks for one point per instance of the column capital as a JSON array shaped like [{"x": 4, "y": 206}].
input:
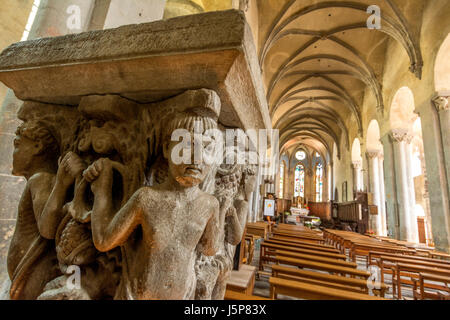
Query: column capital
[
  {"x": 399, "y": 135},
  {"x": 357, "y": 164},
  {"x": 371, "y": 154},
  {"x": 441, "y": 102}
]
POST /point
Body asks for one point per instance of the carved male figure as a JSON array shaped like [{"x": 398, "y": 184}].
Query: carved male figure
[
  {"x": 234, "y": 186},
  {"x": 160, "y": 228},
  {"x": 31, "y": 258}
]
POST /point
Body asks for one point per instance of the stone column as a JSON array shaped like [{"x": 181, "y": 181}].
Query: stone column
[
  {"x": 390, "y": 186},
  {"x": 382, "y": 209},
  {"x": 325, "y": 177},
  {"x": 373, "y": 155},
  {"x": 357, "y": 166},
  {"x": 411, "y": 192},
  {"x": 331, "y": 172},
  {"x": 436, "y": 149},
  {"x": 442, "y": 105},
  {"x": 399, "y": 137}
]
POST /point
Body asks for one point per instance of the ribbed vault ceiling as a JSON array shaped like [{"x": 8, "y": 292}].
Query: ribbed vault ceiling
[{"x": 319, "y": 60}]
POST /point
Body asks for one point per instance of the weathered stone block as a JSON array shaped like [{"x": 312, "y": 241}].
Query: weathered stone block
[{"x": 145, "y": 63}]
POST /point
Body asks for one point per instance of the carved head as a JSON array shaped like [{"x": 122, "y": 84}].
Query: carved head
[
  {"x": 185, "y": 166},
  {"x": 34, "y": 146}
]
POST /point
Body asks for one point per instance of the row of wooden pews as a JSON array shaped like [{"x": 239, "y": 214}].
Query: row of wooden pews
[
  {"x": 309, "y": 264},
  {"x": 409, "y": 264},
  {"x": 429, "y": 277},
  {"x": 360, "y": 245},
  {"x": 303, "y": 266}
]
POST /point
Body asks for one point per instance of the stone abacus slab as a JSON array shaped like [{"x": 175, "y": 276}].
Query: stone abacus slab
[{"x": 145, "y": 63}]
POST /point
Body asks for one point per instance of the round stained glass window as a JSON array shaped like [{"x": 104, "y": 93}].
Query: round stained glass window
[{"x": 300, "y": 155}]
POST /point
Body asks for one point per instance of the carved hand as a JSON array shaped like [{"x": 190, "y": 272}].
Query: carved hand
[
  {"x": 70, "y": 167},
  {"x": 99, "y": 174},
  {"x": 231, "y": 211}
]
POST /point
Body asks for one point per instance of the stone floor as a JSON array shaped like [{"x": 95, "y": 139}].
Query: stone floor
[{"x": 262, "y": 287}]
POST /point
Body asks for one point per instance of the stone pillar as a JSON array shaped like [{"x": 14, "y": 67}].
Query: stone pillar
[
  {"x": 357, "y": 183},
  {"x": 399, "y": 137},
  {"x": 325, "y": 177},
  {"x": 411, "y": 192},
  {"x": 373, "y": 155},
  {"x": 390, "y": 186},
  {"x": 434, "y": 116},
  {"x": 331, "y": 172},
  {"x": 442, "y": 105},
  {"x": 382, "y": 208}
]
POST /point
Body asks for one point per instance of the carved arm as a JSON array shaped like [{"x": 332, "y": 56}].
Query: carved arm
[{"x": 109, "y": 228}]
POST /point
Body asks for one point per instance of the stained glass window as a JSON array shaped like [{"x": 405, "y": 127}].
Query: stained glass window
[
  {"x": 300, "y": 155},
  {"x": 280, "y": 195},
  {"x": 299, "y": 185},
  {"x": 319, "y": 182}
]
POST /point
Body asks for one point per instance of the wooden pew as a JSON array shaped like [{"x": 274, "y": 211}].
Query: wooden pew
[
  {"x": 301, "y": 241},
  {"x": 420, "y": 293},
  {"x": 304, "y": 246},
  {"x": 258, "y": 229},
  {"x": 377, "y": 254},
  {"x": 233, "y": 295},
  {"x": 363, "y": 249},
  {"x": 268, "y": 251},
  {"x": 413, "y": 271},
  {"x": 301, "y": 229},
  {"x": 361, "y": 245},
  {"x": 314, "y": 265},
  {"x": 315, "y": 258},
  {"x": 293, "y": 227},
  {"x": 299, "y": 236},
  {"x": 250, "y": 247},
  {"x": 305, "y": 250},
  {"x": 328, "y": 280},
  {"x": 439, "y": 255},
  {"x": 313, "y": 292},
  {"x": 388, "y": 261}
]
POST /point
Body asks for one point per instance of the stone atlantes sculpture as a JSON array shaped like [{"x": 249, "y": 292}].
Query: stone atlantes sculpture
[
  {"x": 101, "y": 120},
  {"x": 87, "y": 206},
  {"x": 175, "y": 219}
]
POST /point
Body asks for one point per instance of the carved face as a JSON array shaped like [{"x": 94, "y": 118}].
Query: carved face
[
  {"x": 188, "y": 173},
  {"x": 24, "y": 151}
]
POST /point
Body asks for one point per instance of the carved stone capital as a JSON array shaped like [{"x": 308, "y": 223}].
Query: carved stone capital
[
  {"x": 357, "y": 165},
  {"x": 400, "y": 135},
  {"x": 371, "y": 154},
  {"x": 441, "y": 103}
]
